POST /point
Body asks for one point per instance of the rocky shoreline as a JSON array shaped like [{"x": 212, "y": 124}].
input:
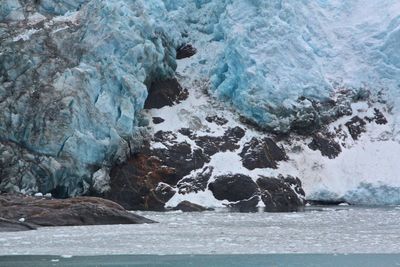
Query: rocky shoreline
[{"x": 19, "y": 212}]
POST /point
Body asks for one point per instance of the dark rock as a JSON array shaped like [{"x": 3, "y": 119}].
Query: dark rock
[
  {"x": 214, "y": 144},
  {"x": 196, "y": 182},
  {"x": 134, "y": 183},
  {"x": 158, "y": 120},
  {"x": 182, "y": 159},
  {"x": 185, "y": 51},
  {"x": 66, "y": 212},
  {"x": 278, "y": 194},
  {"x": 164, "y": 192},
  {"x": 165, "y": 93},
  {"x": 187, "y": 206},
  {"x": 186, "y": 132},
  {"x": 217, "y": 120},
  {"x": 379, "y": 117},
  {"x": 14, "y": 226},
  {"x": 356, "y": 127},
  {"x": 247, "y": 205},
  {"x": 261, "y": 154},
  {"x": 164, "y": 136},
  {"x": 233, "y": 187},
  {"x": 328, "y": 147}
]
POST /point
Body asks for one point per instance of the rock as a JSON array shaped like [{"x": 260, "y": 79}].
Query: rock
[
  {"x": 134, "y": 183},
  {"x": 182, "y": 158},
  {"x": 356, "y": 127},
  {"x": 14, "y": 226},
  {"x": 158, "y": 120},
  {"x": 328, "y": 147},
  {"x": 217, "y": 120},
  {"x": 233, "y": 187},
  {"x": 262, "y": 153},
  {"x": 185, "y": 51},
  {"x": 379, "y": 117},
  {"x": 165, "y": 93},
  {"x": 66, "y": 212},
  {"x": 187, "y": 206},
  {"x": 281, "y": 194},
  {"x": 228, "y": 142},
  {"x": 247, "y": 205},
  {"x": 195, "y": 182},
  {"x": 164, "y": 192}
]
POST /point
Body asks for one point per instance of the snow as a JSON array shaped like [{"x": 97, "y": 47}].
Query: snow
[
  {"x": 318, "y": 230},
  {"x": 25, "y": 35}
]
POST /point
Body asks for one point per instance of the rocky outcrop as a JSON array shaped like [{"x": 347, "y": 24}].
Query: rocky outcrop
[
  {"x": 135, "y": 184},
  {"x": 261, "y": 153},
  {"x": 40, "y": 211},
  {"x": 195, "y": 182},
  {"x": 282, "y": 194},
  {"x": 356, "y": 127},
  {"x": 327, "y": 145},
  {"x": 165, "y": 93},
  {"x": 233, "y": 187},
  {"x": 185, "y": 51},
  {"x": 14, "y": 226},
  {"x": 246, "y": 205},
  {"x": 187, "y": 206}
]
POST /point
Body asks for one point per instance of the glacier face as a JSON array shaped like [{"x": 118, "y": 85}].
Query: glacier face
[
  {"x": 74, "y": 76},
  {"x": 265, "y": 55},
  {"x": 74, "y": 73}
]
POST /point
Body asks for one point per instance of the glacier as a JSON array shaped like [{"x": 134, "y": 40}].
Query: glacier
[
  {"x": 74, "y": 76},
  {"x": 73, "y": 81},
  {"x": 263, "y": 56}
]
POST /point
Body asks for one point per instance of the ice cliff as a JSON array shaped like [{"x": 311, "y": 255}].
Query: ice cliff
[
  {"x": 74, "y": 74},
  {"x": 73, "y": 79}
]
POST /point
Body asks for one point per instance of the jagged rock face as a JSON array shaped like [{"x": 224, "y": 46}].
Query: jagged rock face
[
  {"x": 328, "y": 147},
  {"x": 165, "y": 93},
  {"x": 282, "y": 194},
  {"x": 261, "y": 154},
  {"x": 196, "y": 182},
  {"x": 356, "y": 127},
  {"x": 135, "y": 184},
  {"x": 233, "y": 187},
  {"x": 71, "y": 88}
]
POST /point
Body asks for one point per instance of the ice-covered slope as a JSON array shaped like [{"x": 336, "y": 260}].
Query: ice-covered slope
[{"x": 264, "y": 55}]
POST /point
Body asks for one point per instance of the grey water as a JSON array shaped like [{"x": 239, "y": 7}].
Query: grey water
[
  {"x": 326, "y": 234},
  {"x": 273, "y": 260}
]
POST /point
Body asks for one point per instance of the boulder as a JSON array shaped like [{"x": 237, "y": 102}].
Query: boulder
[
  {"x": 282, "y": 194},
  {"x": 65, "y": 212},
  {"x": 247, "y": 205},
  {"x": 233, "y": 187},
  {"x": 165, "y": 93},
  {"x": 195, "y": 182},
  {"x": 185, "y": 51},
  {"x": 187, "y": 206},
  {"x": 261, "y": 153}
]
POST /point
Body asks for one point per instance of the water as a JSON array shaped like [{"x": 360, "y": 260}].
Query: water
[
  {"x": 337, "y": 230},
  {"x": 274, "y": 260}
]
